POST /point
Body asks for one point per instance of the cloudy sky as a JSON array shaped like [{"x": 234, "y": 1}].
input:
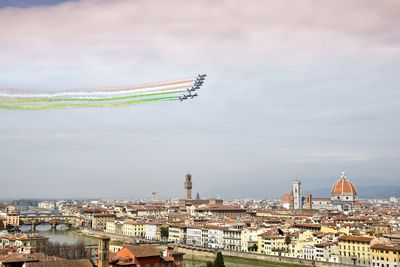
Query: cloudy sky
[{"x": 295, "y": 89}]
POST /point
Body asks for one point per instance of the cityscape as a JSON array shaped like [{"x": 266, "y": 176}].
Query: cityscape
[
  {"x": 151, "y": 133},
  {"x": 336, "y": 230}
]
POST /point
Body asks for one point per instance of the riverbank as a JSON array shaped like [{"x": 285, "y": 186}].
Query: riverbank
[
  {"x": 199, "y": 261},
  {"x": 114, "y": 237},
  {"x": 255, "y": 258},
  {"x": 199, "y": 257}
]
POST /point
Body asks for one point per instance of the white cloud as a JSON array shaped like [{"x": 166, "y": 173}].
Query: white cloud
[{"x": 285, "y": 78}]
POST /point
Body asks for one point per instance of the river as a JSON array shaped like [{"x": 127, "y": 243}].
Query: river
[{"x": 61, "y": 236}]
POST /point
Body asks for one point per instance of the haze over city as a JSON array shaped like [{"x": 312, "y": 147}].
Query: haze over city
[{"x": 294, "y": 89}]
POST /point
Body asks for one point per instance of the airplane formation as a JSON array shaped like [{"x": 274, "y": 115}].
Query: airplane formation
[{"x": 196, "y": 86}]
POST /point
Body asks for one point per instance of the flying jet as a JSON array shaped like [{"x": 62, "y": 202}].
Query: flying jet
[
  {"x": 193, "y": 95},
  {"x": 194, "y": 88},
  {"x": 181, "y": 98},
  {"x": 202, "y": 75},
  {"x": 199, "y": 80}
]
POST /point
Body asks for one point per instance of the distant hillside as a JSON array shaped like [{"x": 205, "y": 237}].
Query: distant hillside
[
  {"x": 246, "y": 191},
  {"x": 376, "y": 191},
  {"x": 275, "y": 191}
]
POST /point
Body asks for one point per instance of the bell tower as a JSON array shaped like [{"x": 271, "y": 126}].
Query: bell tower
[
  {"x": 188, "y": 186},
  {"x": 102, "y": 252},
  {"x": 296, "y": 193}
]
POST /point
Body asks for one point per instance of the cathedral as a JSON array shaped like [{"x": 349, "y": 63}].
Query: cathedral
[
  {"x": 343, "y": 197},
  {"x": 344, "y": 194}
]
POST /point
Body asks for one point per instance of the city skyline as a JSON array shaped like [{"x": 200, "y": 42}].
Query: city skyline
[{"x": 302, "y": 89}]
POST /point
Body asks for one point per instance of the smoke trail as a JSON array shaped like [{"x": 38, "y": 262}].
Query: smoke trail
[
  {"x": 44, "y": 106},
  {"x": 95, "y": 97}
]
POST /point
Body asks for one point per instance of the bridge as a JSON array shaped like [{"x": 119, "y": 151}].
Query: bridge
[{"x": 53, "y": 220}]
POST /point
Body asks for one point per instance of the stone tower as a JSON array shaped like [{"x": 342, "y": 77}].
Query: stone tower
[
  {"x": 297, "y": 198},
  {"x": 188, "y": 186},
  {"x": 102, "y": 252},
  {"x": 309, "y": 201}
]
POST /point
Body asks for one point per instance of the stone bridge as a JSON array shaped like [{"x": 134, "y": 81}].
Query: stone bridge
[{"x": 53, "y": 220}]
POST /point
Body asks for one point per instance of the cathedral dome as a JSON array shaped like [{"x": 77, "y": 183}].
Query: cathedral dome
[{"x": 344, "y": 187}]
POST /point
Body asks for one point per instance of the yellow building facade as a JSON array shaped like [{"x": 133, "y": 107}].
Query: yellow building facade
[
  {"x": 271, "y": 244},
  {"x": 385, "y": 255},
  {"x": 133, "y": 229},
  {"x": 355, "y": 250}
]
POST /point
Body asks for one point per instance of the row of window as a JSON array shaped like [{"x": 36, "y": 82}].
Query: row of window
[{"x": 382, "y": 258}]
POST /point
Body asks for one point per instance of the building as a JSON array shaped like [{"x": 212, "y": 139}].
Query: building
[
  {"x": 308, "y": 204},
  {"x": 309, "y": 252},
  {"x": 12, "y": 219},
  {"x": 103, "y": 251},
  {"x": 177, "y": 233},
  {"x": 143, "y": 255},
  {"x": 327, "y": 252},
  {"x": 218, "y": 210},
  {"x": 249, "y": 240},
  {"x": 114, "y": 228},
  {"x": 385, "y": 255},
  {"x": 215, "y": 237},
  {"x": 271, "y": 243},
  {"x": 188, "y": 186},
  {"x": 297, "y": 198},
  {"x": 233, "y": 239},
  {"x": 355, "y": 250},
  {"x": 319, "y": 203},
  {"x": 99, "y": 221},
  {"x": 134, "y": 229},
  {"x": 194, "y": 236},
  {"x": 31, "y": 243},
  {"x": 188, "y": 201},
  {"x": 146, "y": 256},
  {"x": 152, "y": 231},
  {"x": 344, "y": 194},
  {"x": 49, "y": 205}
]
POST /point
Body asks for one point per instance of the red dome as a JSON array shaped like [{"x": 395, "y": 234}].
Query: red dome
[
  {"x": 287, "y": 198},
  {"x": 343, "y": 187}
]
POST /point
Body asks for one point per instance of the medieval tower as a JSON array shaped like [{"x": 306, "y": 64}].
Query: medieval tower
[
  {"x": 102, "y": 251},
  {"x": 188, "y": 186}
]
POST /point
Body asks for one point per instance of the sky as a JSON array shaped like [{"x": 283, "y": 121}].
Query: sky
[{"x": 295, "y": 89}]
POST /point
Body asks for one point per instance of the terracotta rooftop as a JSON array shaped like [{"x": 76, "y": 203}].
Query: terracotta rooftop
[
  {"x": 104, "y": 215},
  {"x": 17, "y": 257},
  {"x": 364, "y": 239},
  {"x": 143, "y": 251},
  {"x": 61, "y": 263},
  {"x": 343, "y": 187},
  {"x": 220, "y": 207},
  {"x": 386, "y": 247},
  {"x": 308, "y": 225}
]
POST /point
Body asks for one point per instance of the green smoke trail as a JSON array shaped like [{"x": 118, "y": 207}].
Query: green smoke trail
[
  {"x": 111, "y": 98},
  {"x": 101, "y": 97},
  {"x": 46, "y": 105}
]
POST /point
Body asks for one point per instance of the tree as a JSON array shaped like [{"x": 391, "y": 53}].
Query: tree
[
  {"x": 209, "y": 264},
  {"x": 164, "y": 232},
  {"x": 288, "y": 240},
  {"x": 219, "y": 260}
]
